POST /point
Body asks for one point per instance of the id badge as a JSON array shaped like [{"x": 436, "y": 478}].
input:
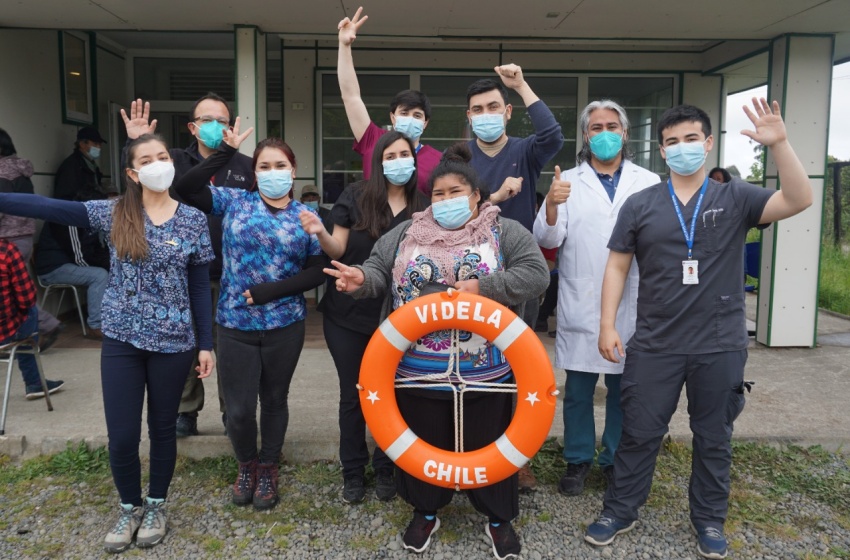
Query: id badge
[{"x": 690, "y": 272}]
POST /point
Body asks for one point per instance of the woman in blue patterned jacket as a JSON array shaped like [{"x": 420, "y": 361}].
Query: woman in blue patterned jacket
[{"x": 268, "y": 262}]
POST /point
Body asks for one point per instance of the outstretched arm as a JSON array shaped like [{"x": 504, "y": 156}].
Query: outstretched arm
[
  {"x": 355, "y": 109},
  {"x": 65, "y": 212}
]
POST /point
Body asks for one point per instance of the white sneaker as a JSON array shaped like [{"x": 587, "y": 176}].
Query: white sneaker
[
  {"x": 121, "y": 536},
  {"x": 154, "y": 524}
]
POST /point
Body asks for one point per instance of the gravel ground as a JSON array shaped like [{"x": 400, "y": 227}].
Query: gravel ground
[{"x": 51, "y": 517}]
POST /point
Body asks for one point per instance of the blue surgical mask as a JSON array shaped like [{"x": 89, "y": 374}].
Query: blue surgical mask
[
  {"x": 410, "y": 127},
  {"x": 94, "y": 152},
  {"x": 453, "y": 212},
  {"x": 489, "y": 127},
  {"x": 606, "y": 145},
  {"x": 685, "y": 158},
  {"x": 314, "y": 204},
  {"x": 275, "y": 183},
  {"x": 399, "y": 171},
  {"x": 211, "y": 134}
]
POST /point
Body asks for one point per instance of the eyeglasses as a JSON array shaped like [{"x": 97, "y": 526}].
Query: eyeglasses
[{"x": 206, "y": 119}]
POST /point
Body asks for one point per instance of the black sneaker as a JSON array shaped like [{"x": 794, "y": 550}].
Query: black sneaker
[
  {"x": 187, "y": 425},
  {"x": 353, "y": 491},
  {"x": 417, "y": 537},
  {"x": 37, "y": 391},
  {"x": 385, "y": 485},
  {"x": 504, "y": 539},
  {"x": 265, "y": 494},
  {"x": 572, "y": 483}
]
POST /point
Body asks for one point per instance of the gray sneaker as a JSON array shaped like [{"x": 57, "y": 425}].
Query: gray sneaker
[
  {"x": 120, "y": 537},
  {"x": 154, "y": 524}
]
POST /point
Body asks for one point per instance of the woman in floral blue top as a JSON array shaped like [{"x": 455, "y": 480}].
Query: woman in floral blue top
[
  {"x": 268, "y": 261},
  {"x": 156, "y": 300}
]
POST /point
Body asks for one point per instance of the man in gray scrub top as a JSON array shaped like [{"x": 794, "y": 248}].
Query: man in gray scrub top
[{"x": 688, "y": 236}]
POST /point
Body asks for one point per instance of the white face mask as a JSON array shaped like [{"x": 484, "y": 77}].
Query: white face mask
[{"x": 156, "y": 176}]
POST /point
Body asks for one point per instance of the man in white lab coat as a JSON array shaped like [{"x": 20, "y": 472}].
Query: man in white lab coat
[{"x": 578, "y": 216}]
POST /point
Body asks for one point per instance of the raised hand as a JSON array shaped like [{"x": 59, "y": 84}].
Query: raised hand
[
  {"x": 232, "y": 137},
  {"x": 348, "y": 28},
  {"x": 511, "y": 75},
  {"x": 137, "y": 123},
  {"x": 311, "y": 223},
  {"x": 348, "y": 278},
  {"x": 770, "y": 129},
  {"x": 559, "y": 192}
]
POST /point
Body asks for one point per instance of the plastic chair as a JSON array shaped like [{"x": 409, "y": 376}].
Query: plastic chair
[
  {"x": 73, "y": 288},
  {"x": 7, "y": 355}
]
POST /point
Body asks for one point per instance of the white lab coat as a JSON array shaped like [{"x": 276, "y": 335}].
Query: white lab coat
[{"x": 584, "y": 226}]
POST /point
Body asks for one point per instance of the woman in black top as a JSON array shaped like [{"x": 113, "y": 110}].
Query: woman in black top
[{"x": 364, "y": 211}]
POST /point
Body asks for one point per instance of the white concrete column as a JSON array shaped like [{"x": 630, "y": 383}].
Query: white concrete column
[
  {"x": 800, "y": 78},
  {"x": 250, "y": 103},
  {"x": 706, "y": 92}
]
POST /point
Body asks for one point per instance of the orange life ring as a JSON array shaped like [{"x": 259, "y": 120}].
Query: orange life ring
[{"x": 536, "y": 393}]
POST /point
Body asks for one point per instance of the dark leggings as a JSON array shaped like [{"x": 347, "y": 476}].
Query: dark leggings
[
  {"x": 125, "y": 373},
  {"x": 252, "y": 364}
]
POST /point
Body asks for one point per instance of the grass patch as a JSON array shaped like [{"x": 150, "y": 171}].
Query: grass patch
[
  {"x": 834, "y": 290},
  {"x": 77, "y": 463}
]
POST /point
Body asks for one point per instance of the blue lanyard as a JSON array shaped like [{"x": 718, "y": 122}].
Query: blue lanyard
[
  {"x": 689, "y": 239},
  {"x": 419, "y": 147}
]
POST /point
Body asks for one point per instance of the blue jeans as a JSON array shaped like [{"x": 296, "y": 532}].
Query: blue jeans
[
  {"x": 579, "y": 425},
  {"x": 29, "y": 369},
  {"x": 93, "y": 277}
]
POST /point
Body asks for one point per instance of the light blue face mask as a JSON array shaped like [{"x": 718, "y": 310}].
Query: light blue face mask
[
  {"x": 314, "y": 204},
  {"x": 410, "y": 127},
  {"x": 606, "y": 145},
  {"x": 488, "y": 127},
  {"x": 398, "y": 171},
  {"x": 94, "y": 152},
  {"x": 275, "y": 183},
  {"x": 453, "y": 212},
  {"x": 211, "y": 134},
  {"x": 685, "y": 158}
]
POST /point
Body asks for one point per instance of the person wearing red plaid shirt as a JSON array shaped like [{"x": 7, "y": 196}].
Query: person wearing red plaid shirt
[{"x": 19, "y": 315}]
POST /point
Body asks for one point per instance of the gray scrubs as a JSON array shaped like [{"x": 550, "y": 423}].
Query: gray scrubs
[{"x": 693, "y": 335}]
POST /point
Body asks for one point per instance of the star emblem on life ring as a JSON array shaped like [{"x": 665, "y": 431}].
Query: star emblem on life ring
[
  {"x": 532, "y": 398},
  {"x": 373, "y": 396}
]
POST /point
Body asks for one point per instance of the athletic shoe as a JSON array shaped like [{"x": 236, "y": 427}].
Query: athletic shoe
[
  {"x": 265, "y": 494},
  {"x": 603, "y": 531},
  {"x": 242, "y": 492},
  {"x": 417, "y": 537},
  {"x": 154, "y": 523},
  {"x": 504, "y": 539},
  {"x": 120, "y": 537},
  {"x": 711, "y": 543},
  {"x": 353, "y": 491},
  {"x": 186, "y": 425},
  {"x": 37, "y": 391},
  {"x": 385, "y": 485},
  {"x": 572, "y": 483}
]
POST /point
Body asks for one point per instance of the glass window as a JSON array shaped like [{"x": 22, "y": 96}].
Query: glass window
[
  {"x": 183, "y": 79},
  {"x": 76, "y": 79}
]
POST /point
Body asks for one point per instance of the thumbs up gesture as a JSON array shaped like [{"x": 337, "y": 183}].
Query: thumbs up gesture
[{"x": 559, "y": 192}]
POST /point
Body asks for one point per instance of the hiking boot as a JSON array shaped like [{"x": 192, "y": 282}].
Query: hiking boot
[
  {"x": 37, "y": 391},
  {"x": 527, "y": 482},
  {"x": 120, "y": 537},
  {"x": 186, "y": 425},
  {"x": 711, "y": 543},
  {"x": 603, "y": 531},
  {"x": 352, "y": 489},
  {"x": 242, "y": 492},
  {"x": 572, "y": 483},
  {"x": 154, "y": 523},
  {"x": 385, "y": 485},
  {"x": 504, "y": 539},
  {"x": 265, "y": 494},
  {"x": 608, "y": 474},
  {"x": 417, "y": 537}
]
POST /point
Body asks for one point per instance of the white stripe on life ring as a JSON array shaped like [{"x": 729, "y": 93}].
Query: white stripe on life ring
[
  {"x": 510, "y": 334},
  {"x": 394, "y": 337},
  {"x": 511, "y": 453},
  {"x": 401, "y": 444}
]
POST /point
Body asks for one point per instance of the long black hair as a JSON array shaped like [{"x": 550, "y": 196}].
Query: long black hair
[
  {"x": 374, "y": 206},
  {"x": 7, "y": 147}
]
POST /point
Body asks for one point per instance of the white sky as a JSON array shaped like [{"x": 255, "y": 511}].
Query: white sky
[{"x": 737, "y": 149}]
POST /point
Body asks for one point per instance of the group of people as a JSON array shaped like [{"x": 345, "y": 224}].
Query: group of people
[{"x": 208, "y": 236}]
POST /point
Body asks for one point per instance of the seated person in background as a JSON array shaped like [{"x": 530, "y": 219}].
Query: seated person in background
[{"x": 310, "y": 197}]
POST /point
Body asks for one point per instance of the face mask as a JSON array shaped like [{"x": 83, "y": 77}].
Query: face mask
[
  {"x": 275, "y": 183},
  {"x": 410, "y": 127},
  {"x": 211, "y": 134},
  {"x": 452, "y": 213},
  {"x": 489, "y": 127},
  {"x": 606, "y": 145},
  {"x": 156, "y": 176},
  {"x": 314, "y": 204},
  {"x": 94, "y": 152},
  {"x": 685, "y": 158},
  {"x": 399, "y": 171}
]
